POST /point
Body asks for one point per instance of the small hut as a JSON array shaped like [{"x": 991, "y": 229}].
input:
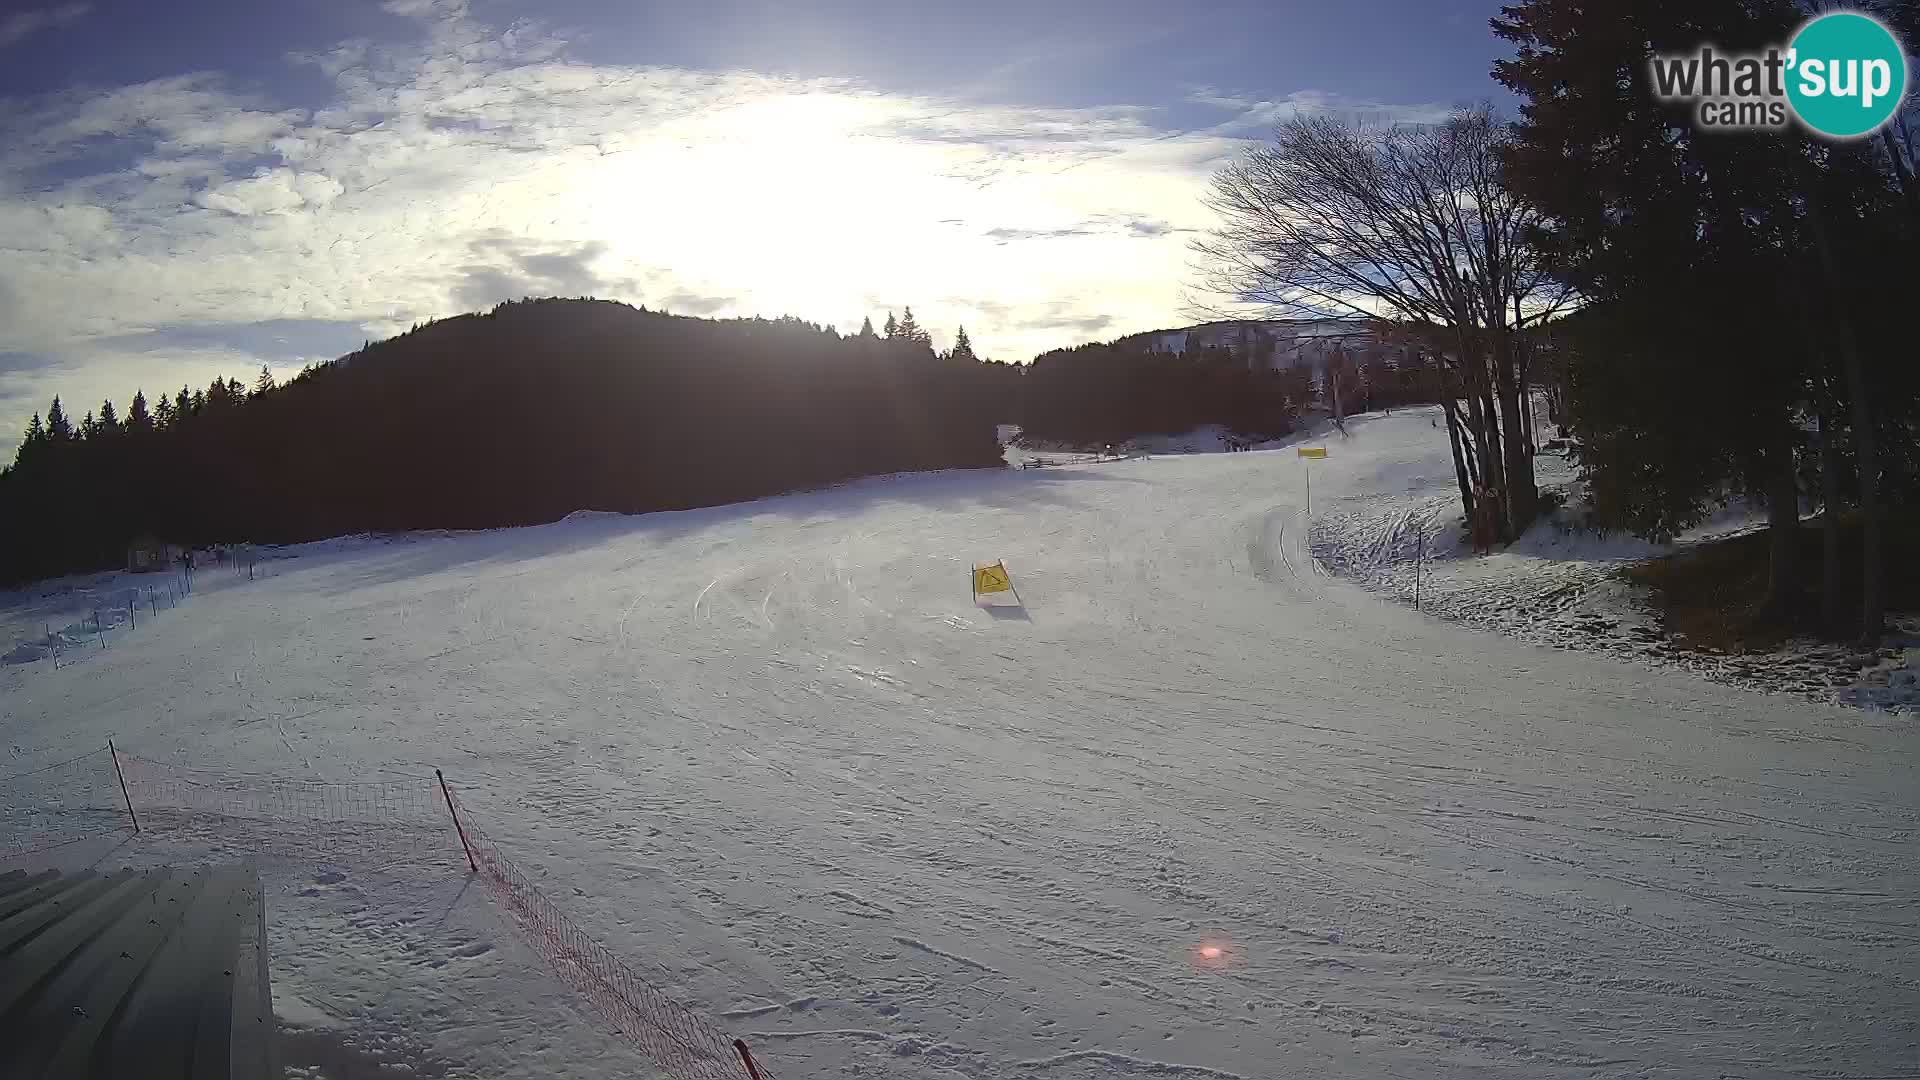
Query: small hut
[{"x": 146, "y": 554}]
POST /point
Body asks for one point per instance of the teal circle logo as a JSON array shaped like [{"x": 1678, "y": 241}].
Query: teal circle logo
[{"x": 1846, "y": 74}]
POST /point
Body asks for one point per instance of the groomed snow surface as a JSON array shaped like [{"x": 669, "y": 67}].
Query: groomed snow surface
[{"x": 1198, "y": 810}]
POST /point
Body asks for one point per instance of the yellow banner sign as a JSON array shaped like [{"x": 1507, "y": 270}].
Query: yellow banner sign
[
  {"x": 993, "y": 578},
  {"x": 1313, "y": 451}
]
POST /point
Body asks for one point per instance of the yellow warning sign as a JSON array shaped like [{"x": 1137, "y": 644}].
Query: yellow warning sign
[
  {"x": 993, "y": 578},
  {"x": 1313, "y": 451}
]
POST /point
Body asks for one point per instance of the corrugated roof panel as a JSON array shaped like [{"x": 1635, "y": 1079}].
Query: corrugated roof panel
[{"x": 156, "y": 974}]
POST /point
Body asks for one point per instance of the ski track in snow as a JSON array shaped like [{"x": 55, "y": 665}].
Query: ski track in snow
[{"x": 774, "y": 756}]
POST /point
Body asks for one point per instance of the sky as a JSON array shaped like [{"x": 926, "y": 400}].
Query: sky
[{"x": 203, "y": 187}]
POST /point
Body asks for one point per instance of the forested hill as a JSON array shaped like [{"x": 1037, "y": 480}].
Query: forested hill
[{"x": 516, "y": 416}]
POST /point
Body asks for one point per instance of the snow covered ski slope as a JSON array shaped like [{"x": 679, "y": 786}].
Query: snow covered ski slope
[{"x": 1196, "y": 811}]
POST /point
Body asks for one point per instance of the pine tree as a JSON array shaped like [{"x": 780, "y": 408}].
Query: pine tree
[
  {"x": 138, "y": 419},
  {"x": 909, "y": 331},
  {"x": 35, "y": 440},
  {"x": 866, "y": 329},
  {"x": 109, "y": 421},
  {"x": 1645, "y": 210},
  {"x": 235, "y": 392},
  {"x": 264, "y": 382},
  {"x": 59, "y": 428},
  {"x": 198, "y": 404},
  {"x": 88, "y": 427},
  {"x": 892, "y": 328},
  {"x": 163, "y": 413},
  {"x": 963, "y": 348}
]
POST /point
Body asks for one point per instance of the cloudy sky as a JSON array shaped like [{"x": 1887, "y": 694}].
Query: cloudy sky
[{"x": 202, "y": 186}]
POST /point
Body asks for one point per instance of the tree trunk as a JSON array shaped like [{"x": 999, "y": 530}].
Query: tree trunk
[
  {"x": 1873, "y": 597},
  {"x": 1783, "y": 531},
  {"x": 1830, "y": 616},
  {"x": 1493, "y": 473},
  {"x": 1520, "y": 497},
  {"x": 1480, "y": 421},
  {"x": 1459, "y": 459}
]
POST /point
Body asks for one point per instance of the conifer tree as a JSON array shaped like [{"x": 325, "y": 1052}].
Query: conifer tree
[
  {"x": 35, "y": 440},
  {"x": 910, "y": 331},
  {"x": 59, "y": 428}
]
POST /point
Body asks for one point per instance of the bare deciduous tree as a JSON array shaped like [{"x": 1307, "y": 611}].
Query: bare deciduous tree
[{"x": 1408, "y": 228}]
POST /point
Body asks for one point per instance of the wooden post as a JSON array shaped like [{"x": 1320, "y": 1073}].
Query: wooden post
[
  {"x": 133, "y": 623},
  {"x": 746, "y": 1058},
  {"x": 152, "y": 604},
  {"x": 115, "y": 754},
  {"x": 53, "y": 651},
  {"x": 475, "y": 867},
  {"x": 1419, "y": 563}
]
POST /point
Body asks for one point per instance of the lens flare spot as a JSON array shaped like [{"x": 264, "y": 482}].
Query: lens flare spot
[{"x": 1213, "y": 954}]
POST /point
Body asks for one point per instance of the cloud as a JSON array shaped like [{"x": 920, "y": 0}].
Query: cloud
[
  {"x": 271, "y": 191},
  {"x": 472, "y": 164},
  {"x": 426, "y": 9},
  {"x": 690, "y": 303},
  {"x": 1255, "y": 116},
  {"x": 22, "y": 24},
  {"x": 1004, "y": 234},
  {"x": 506, "y": 268},
  {"x": 1145, "y": 228}
]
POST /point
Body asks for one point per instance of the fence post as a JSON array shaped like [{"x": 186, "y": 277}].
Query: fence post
[
  {"x": 133, "y": 623},
  {"x": 122, "y": 777},
  {"x": 448, "y": 795},
  {"x": 152, "y": 604},
  {"x": 746, "y": 1059},
  {"x": 1419, "y": 563},
  {"x": 99, "y": 634},
  {"x": 53, "y": 651}
]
